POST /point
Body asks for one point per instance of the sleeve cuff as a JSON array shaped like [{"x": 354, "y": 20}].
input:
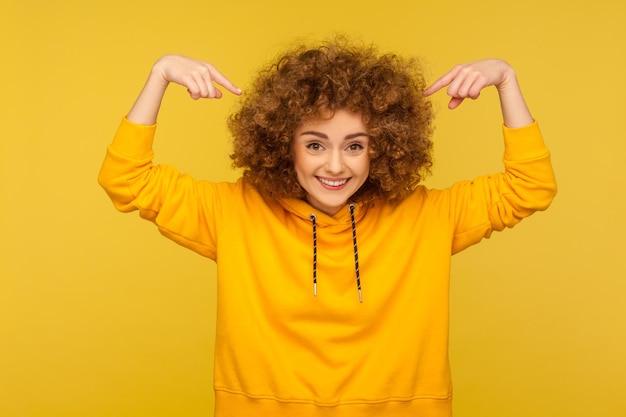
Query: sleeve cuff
[
  {"x": 523, "y": 143},
  {"x": 133, "y": 140}
]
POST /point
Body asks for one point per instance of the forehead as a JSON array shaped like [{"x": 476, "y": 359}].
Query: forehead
[{"x": 339, "y": 121}]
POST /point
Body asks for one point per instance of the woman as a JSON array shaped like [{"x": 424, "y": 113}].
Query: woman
[{"x": 333, "y": 260}]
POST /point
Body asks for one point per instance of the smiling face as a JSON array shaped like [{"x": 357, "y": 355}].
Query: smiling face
[{"x": 331, "y": 159}]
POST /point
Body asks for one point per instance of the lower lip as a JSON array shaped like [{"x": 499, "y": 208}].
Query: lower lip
[{"x": 334, "y": 187}]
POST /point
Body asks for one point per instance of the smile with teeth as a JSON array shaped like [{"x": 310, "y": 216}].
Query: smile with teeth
[{"x": 333, "y": 183}]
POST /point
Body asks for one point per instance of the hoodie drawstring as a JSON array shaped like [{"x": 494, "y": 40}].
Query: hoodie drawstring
[
  {"x": 313, "y": 218},
  {"x": 356, "y": 253}
]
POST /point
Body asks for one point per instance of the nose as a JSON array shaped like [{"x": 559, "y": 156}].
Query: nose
[{"x": 334, "y": 163}]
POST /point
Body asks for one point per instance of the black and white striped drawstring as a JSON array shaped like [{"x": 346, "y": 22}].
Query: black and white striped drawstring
[
  {"x": 356, "y": 253},
  {"x": 313, "y": 218}
]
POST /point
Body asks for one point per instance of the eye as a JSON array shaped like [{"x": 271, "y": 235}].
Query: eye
[
  {"x": 314, "y": 146},
  {"x": 355, "y": 147}
]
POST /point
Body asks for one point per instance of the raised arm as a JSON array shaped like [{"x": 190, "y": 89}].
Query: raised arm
[
  {"x": 468, "y": 80},
  {"x": 177, "y": 203},
  {"x": 494, "y": 202},
  {"x": 200, "y": 79}
]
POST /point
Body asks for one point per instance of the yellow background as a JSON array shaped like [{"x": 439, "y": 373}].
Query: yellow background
[{"x": 100, "y": 316}]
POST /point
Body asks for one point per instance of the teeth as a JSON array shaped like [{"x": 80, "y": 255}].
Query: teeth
[{"x": 333, "y": 183}]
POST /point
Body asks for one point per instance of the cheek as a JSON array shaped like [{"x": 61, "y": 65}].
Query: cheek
[
  {"x": 300, "y": 168},
  {"x": 303, "y": 162},
  {"x": 297, "y": 160},
  {"x": 366, "y": 166}
]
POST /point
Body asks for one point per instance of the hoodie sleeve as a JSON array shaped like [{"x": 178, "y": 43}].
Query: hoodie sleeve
[
  {"x": 495, "y": 202},
  {"x": 185, "y": 210}
]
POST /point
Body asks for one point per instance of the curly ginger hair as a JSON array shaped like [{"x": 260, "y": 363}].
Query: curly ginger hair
[{"x": 307, "y": 83}]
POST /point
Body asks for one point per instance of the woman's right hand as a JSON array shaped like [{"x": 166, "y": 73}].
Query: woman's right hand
[{"x": 198, "y": 77}]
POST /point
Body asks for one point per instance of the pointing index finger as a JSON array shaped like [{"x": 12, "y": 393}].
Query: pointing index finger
[
  {"x": 443, "y": 81},
  {"x": 220, "y": 79}
]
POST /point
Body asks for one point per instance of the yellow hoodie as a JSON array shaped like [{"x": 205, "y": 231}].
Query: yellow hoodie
[{"x": 281, "y": 350}]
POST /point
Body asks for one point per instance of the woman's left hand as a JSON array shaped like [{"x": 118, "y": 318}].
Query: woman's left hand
[{"x": 468, "y": 80}]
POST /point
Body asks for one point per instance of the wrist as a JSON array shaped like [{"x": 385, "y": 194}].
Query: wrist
[
  {"x": 509, "y": 80},
  {"x": 157, "y": 79}
]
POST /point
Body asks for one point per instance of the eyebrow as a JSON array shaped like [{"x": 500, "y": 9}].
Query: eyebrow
[{"x": 324, "y": 136}]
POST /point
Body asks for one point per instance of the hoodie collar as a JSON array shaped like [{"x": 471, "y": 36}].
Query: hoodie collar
[{"x": 303, "y": 210}]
